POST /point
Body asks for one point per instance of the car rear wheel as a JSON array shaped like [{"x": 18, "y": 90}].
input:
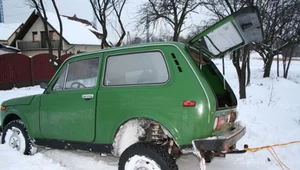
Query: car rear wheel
[
  {"x": 16, "y": 136},
  {"x": 146, "y": 156}
]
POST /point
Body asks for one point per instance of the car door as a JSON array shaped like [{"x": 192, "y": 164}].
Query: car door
[{"x": 68, "y": 105}]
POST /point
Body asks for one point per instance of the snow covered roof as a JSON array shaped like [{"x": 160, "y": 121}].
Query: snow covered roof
[
  {"x": 6, "y": 30},
  {"x": 73, "y": 31},
  {"x": 8, "y": 48}
]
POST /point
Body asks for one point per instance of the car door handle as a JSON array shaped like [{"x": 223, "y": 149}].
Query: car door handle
[{"x": 87, "y": 96}]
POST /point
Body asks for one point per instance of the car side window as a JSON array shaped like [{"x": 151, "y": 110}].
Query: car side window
[
  {"x": 59, "y": 84},
  {"x": 82, "y": 74},
  {"x": 136, "y": 69}
]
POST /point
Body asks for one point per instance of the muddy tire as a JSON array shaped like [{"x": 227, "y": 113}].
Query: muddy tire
[
  {"x": 16, "y": 136},
  {"x": 146, "y": 156}
]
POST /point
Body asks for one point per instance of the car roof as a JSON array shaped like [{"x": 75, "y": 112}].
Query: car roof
[{"x": 171, "y": 43}]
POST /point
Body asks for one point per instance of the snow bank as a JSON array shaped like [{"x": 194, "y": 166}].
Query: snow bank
[{"x": 14, "y": 160}]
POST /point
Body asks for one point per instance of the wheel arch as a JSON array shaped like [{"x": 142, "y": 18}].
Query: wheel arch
[
  {"x": 10, "y": 117},
  {"x": 13, "y": 115},
  {"x": 168, "y": 129}
]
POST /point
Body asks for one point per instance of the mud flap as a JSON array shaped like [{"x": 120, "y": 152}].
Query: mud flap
[{"x": 196, "y": 152}]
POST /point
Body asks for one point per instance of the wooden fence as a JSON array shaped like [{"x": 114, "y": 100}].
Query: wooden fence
[{"x": 17, "y": 70}]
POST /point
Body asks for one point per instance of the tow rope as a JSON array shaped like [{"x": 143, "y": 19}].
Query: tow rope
[{"x": 272, "y": 151}]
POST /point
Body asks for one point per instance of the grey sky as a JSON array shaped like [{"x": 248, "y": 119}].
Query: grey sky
[{"x": 18, "y": 11}]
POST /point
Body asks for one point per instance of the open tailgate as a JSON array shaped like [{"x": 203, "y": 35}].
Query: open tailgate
[{"x": 231, "y": 33}]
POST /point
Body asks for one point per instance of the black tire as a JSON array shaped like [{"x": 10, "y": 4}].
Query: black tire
[
  {"x": 152, "y": 152},
  {"x": 20, "y": 135}
]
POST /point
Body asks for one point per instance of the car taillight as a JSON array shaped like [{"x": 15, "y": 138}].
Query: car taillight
[
  {"x": 220, "y": 122},
  {"x": 233, "y": 116},
  {"x": 224, "y": 120},
  {"x": 3, "y": 107},
  {"x": 189, "y": 103}
]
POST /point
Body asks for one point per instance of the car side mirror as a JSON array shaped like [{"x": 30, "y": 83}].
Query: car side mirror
[{"x": 43, "y": 85}]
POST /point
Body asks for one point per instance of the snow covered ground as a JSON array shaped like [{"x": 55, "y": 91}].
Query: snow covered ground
[{"x": 271, "y": 113}]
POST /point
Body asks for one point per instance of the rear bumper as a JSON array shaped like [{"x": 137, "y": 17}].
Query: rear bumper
[{"x": 221, "y": 142}]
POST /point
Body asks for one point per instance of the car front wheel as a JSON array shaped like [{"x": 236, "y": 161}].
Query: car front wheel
[
  {"x": 16, "y": 136},
  {"x": 146, "y": 156}
]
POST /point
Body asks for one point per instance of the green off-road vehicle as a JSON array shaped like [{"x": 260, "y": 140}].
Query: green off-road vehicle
[{"x": 147, "y": 104}]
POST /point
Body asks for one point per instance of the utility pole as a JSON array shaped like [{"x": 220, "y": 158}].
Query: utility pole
[
  {"x": 94, "y": 16},
  {"x": 128, "y": 38},
  {"x": 1, "y": 12},
  {"x": 147, "y": 27}
]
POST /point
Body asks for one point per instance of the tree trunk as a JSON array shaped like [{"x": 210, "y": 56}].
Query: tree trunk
[
  {"x": 268, "y": 65},
  {"x": 248, "y": 70},
  {"x": 45, "y": 23},
  {"x": 175, "y": 36},
  {"x": 242, "y": 83},
  {"x": 58, "y": 60},
  {"x": 284, "y": 57},
  {"x": 242, "y": 80},
  {"x": 277, "y": 65},
  {"x": 176, "y": 32},
  {"x": 288, "y": 66},
  {"x": 241, "y": 72}
]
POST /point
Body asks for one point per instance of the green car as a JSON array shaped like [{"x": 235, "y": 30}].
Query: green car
[{"x": 147, "y": 104}]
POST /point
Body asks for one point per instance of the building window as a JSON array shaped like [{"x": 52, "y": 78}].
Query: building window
[
  {"x": 35, "y": 36},
  {"x": 52, "y": 35}
]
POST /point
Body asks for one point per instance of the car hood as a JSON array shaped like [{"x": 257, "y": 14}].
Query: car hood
[{"x": 18, "y": 101}]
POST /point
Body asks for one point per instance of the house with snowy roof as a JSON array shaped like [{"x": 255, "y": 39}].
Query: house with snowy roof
[
  {"x": 78, "y": 35},
  {"x": 7, "y": 49},
  {"x": 8, "y": 32}
]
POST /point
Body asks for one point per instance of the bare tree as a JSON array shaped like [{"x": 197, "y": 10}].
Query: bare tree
[
  {"x": 173, "y": 12},
  {"x": 103, "y": 9},
  {"x": 281, "y": 23},
  {"x": 280, "y": 20},
  {"x": 39, "y": 6}
]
